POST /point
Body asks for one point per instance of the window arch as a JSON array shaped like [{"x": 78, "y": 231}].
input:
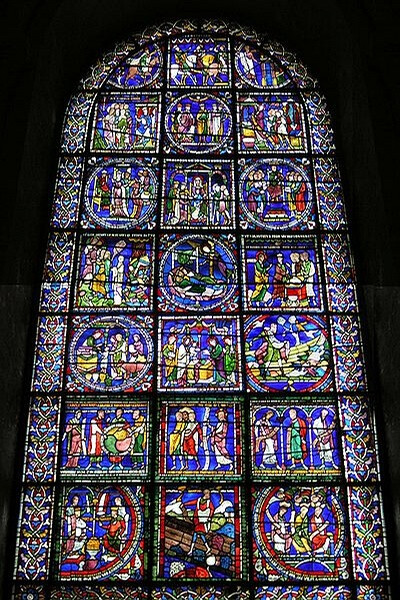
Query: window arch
[{"x": 199, "y": 409}]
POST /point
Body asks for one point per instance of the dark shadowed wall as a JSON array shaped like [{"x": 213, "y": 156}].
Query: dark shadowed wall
[{"x": 351, "y": 46}]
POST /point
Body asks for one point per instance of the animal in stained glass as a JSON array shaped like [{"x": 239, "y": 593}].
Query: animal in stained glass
[
  {"x": 115, "y": 272},
  {"x": 258, "y": 69},
  {"x": 110, "y": 354},
  {"x": 276, "y": 194},
  {"x": 199, "y": 353},
  {"x": 299, "y": 532},
  {"x": 102, "y": 533},
  {"x": 201, "y": 123},
  {"x": 199, "y": 533},
  {"x": 198, "y": 62},
  {"x": 141, "y": 68},
  {"x": 198, "y": 272},
  {"x": 198, "y": 195},
  {"x": 287, "y": 353},
  {"x": 270, "y": 123}
]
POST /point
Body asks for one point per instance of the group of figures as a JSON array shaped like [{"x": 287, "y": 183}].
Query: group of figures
[
  {"x": 270, "y": 123},
  {"x": 121, "y": 195},
  {"x": 126, "y": 123},
  {"x": 102, "y": 533},
  {"x": 112, "y": 438},
  {"x": 275, "y": 193},
  {"x": 199, "y": 354},
  {"x": 198, "y": 195},
  {"x": 200, "y": 533},
  {"x": 299, "y": 532},
  {"x": 198, "y": 438},
  {"x": 297, "y": 438},
  {"x": 257, "y": 69},
  {"x": 281, "y": 274},
  {"x": 287, "y": 353},
  {"x": 115, "y": 272},
  {"x": 198, "y": 272},
  {"x": 198, "y": 63},
  {"x": 198, "y": 123},
  {"x": 109, "y": 354}
]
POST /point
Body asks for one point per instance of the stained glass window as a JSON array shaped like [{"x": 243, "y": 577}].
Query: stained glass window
[{"x": 200, "y": 425}]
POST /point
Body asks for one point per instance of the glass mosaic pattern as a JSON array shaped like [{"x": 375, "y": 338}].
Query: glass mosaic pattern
[{"x": 199, "y": 407}]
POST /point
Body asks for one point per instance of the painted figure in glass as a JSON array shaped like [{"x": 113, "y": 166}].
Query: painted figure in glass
[
  {"x": 121, "y": 195},
  {"x": 102, "y": 533},
  {"x": 270, "y": 123},
  {"x": 140, "y": 69},
  {"x": 276, "y": 194},
  {"x": 198, "y": 62},
  {"x": 199, "y": 354},
  {"x": 299, "y": 533},
  {"x": 114, "y": 272},
  {"x": 198, "y": 195},
  {"x": 126, "y": 123},
  {"x": 254, "y": 68},
  {"x": 281, "y": 273},
  {"x": 287, "y": 353},
  {"x": 200, "y": 438},
  {"x": 299, "y": 438},
  {"x": 199, "y": 533},
  {"x": 110, "y": 354},
  {"x": 101, "y": 438},
  {"x": 201, "y": 123}
]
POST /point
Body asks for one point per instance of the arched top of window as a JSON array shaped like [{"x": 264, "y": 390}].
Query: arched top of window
[{"x": 200, "y": 423}]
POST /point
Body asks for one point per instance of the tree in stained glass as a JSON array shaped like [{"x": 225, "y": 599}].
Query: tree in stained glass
[{"x": 200, "y": 424}]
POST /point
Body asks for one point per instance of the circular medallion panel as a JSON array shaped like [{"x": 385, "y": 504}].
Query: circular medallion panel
[
  {"x": 197, "y": 124},
  {"x": 276, "y": 194},
  {"x": 198, "y": 272},
  {"x": 110, "y": 354}
]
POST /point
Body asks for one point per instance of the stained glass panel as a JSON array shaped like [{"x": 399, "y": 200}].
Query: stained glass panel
[
  {"x": 127, "y": 123},
  {"x": 105, "y": 439},
  {"x": 102, "y": 533},
  {"x": 110, "y": 354},
  {"x": 199, "y": 408},
  {"x": 199, "y": 62},
  {"x": 270, "y": 123},
  {"x": 198, "y": 195},
  {"x": 276, "y": 194},
  {"x": 295, "y": 440},
  {"x": 287, "y": 353},
  {"x": 115, "y": 272},
  {"x": 140, "y": 69},
  {"x": 199, "y": 533},
  {"x": 256, "y": 68},
  {"x": 199, "y": 353},
  {"x": 121, "y": 194},
  {"x": 199, "y": 123},
  {"x": 299, "y": 533},
  {"x": 200, "y": 438},
  {"x": 280, "y": 272},
  {"x": 198, "y": 272}
]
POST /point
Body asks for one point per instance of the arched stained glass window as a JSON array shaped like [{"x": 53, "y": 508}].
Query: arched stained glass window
[{"x": 200, "y": 425}]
